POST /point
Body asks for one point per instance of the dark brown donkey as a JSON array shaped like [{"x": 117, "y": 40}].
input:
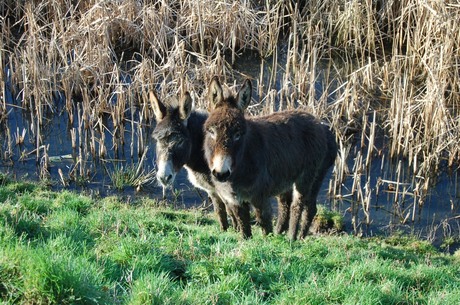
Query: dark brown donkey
[
  {"x": 179, "y": 142},
  {"x": 251, "y": 159}
]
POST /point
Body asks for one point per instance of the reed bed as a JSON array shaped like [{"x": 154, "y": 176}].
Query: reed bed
[{"x": 384, "y": 74}]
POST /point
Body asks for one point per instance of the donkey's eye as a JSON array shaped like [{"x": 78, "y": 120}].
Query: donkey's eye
[
  {"x": 237, "y": 136},
  {"x": 212, "y": 133}
]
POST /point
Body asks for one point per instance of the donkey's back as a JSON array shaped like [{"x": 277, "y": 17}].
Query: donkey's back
[{"x": 284, "y": 148}]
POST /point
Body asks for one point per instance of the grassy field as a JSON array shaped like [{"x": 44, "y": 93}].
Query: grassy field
[{"x": 67, "y": 248}]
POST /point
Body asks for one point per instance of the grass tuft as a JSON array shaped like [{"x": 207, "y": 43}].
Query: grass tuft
[
  {"x": 133, "y": 176},
  {"x": 327, "y": 221}
]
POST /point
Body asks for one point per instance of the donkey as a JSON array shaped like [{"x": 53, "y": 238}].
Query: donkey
[
  {"x": 179, "y": 143},
  {"x": 251, "y": 159}
]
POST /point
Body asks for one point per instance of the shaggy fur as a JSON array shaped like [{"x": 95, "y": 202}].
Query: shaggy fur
[{"x": 252, "y": 159}]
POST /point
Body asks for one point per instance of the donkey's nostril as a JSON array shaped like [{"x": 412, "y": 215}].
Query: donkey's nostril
[
  {"x": 221, "y": 176},
  {"x": 165, "y": 180}
]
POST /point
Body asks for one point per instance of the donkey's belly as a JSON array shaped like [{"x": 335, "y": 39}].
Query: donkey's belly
[
  {"x": 266, "y": 185},
  {"x": 263, "y": 193},
  {"x": 279, "y": 188}
]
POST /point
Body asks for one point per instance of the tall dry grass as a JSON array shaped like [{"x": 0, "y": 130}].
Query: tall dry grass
[{"x": 384, "y": 74}]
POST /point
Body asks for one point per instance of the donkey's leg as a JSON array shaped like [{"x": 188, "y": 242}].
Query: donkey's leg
[
  {"x": 233, "y": 217},
  {"x": 284, "y": 204},
  {"x": 263, "y": 211},
  {"x": 241, "y": 212},
  {"x": 221, "y": 211},
  {"x": 308, "y": 215},
  {"x": 295, "y": 213},
  {"x": 310, "y": 204}
]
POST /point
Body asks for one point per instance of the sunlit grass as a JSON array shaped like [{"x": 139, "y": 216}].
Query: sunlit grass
[
  {"x": 66, "y": 248},
  {"x": 383, "y": 74}
]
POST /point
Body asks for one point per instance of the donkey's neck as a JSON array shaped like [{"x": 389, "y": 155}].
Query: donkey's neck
[
  {"x": 252, "y": 155},
  {"x": 195, "y": 124}
]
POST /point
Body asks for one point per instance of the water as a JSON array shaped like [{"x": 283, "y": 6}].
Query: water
[{"x": 436, "y": 219}]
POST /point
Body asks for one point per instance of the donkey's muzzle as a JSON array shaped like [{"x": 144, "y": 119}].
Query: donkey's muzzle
[
  {"x": 221, "y": 176},
  {"x": 221, "y": 166},
  {"x": 165, "y": 172}
]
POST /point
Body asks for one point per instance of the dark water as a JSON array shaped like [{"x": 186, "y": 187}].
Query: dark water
[{"x": 436, "y": 219}]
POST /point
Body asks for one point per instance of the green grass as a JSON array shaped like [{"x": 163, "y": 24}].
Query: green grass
[{"x": 65, "y": 248}]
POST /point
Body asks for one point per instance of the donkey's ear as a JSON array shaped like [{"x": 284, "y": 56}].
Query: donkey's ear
[
  {"x": 159, "y": 109},
  {"x": 244, "y": 95},
  {"x": 215, "y": 92},
  {"x": 185, "y": 106}
]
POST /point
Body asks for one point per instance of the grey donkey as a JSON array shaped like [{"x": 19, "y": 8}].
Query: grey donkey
[{"x": 179, "y": 143}]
